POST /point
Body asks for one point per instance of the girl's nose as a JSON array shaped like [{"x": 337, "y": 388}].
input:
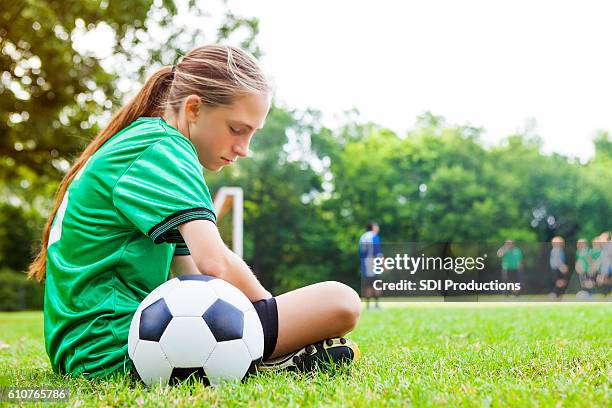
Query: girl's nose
[{"x": 242, "y": 150}]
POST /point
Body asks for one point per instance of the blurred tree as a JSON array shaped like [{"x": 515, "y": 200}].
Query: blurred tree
[
  {"x": 603, "y": 146},
  {"x": 16, "y": 237},
  {"x": 594, "y": 195}
]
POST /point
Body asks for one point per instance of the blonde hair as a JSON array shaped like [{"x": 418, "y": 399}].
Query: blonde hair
[{"x": 218, "y": 74}]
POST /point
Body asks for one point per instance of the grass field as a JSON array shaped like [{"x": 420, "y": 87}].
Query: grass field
[{"x": 418, "y": 354}]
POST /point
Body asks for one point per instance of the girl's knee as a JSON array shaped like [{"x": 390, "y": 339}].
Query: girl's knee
[{"x": 347, "y": 304}]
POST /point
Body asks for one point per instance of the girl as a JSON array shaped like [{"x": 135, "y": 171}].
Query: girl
[{"x": 135, "y": 206}]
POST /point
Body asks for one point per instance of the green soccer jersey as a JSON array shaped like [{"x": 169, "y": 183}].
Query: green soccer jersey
[
  {"x": 112, "y": 241},
  {"x": 582, "y": 258},
  {"x": 594, "y": 254},
  {"x": 512, "y": 259}
]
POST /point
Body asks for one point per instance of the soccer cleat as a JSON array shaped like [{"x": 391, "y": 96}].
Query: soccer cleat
[{"x": 323, "y": 353}]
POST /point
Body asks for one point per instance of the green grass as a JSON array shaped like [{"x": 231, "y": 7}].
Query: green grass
[{"x": 418, "y": 354}]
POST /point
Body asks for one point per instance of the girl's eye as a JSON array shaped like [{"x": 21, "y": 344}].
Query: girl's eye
[{"x": 234, "y": 130}]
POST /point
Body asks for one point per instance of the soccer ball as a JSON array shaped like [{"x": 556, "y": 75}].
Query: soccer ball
[
  {"x": 195, "y": 325},
  {"x": 583, "y": 295}
]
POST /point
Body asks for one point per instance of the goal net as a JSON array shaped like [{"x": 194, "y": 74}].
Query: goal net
[{"x": 228, "y": 204}]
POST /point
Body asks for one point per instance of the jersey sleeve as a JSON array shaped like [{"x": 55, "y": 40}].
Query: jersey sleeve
[
  {"x": 162, "y": 189},
  {"x": 181, "y": 250}
]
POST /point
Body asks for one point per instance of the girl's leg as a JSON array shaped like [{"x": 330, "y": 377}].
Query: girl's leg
[{"x": 314, "y": 313}]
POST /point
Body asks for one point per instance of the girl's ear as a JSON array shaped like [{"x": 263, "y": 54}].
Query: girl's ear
[{"x": 192, "y": 107}]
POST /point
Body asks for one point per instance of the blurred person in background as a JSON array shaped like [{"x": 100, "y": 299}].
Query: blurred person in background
[
  {"x": 603, "y": 265},
  {"x": 512, "y": 263},
  {"x": 594, "y": 254},
  {"x": 369, "y": 249},
  {"x": 582, "y": 267},
  {"x": 559, "y": 267}
]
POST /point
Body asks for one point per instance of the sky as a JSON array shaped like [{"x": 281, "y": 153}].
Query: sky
[{"x": 495, "y": 65}]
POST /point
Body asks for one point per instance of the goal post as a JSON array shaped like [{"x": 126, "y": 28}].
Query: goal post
[{"x": 232, "y": 197}]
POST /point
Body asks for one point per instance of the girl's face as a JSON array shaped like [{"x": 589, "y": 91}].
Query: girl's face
[{"x": 222, "y": 134}]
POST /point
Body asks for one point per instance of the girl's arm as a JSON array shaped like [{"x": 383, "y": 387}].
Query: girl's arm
[{"x": 212, "y": 257}]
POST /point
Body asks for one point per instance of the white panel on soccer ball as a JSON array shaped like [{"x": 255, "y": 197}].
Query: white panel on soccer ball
[
  {"x": 190, "y": 298},
  {"x": 151, "y": 363},
  {"x": 231, "y": 294},
  {"x": 133, "y": 334},
  {"x": 187, "y": 342},
  {"x": 230, "y": 360},
  {"x": 158, "y": 293},
  {"x": 253, "y": 335}
]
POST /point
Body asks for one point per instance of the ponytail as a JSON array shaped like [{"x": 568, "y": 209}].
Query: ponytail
[{"x": 147, "y": 102}]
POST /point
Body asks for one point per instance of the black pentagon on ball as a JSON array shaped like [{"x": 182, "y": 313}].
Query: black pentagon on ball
[
  {"x": 153, "y": 320},
  {"x": 181, "y": 374},
  {"x": 224, "y": 320},
  {"x": 204, "y": 278}
]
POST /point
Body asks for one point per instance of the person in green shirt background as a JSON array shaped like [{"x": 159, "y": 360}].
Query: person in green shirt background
[
  {"x": 582, "y": 266},
  {"x": 135, "y": 206},
  {"x": 594, "y": 254},
  {"x": 512, "y": 263}
]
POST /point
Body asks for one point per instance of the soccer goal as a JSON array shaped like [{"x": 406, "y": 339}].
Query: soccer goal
[{"x": 228, "y": 204}]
